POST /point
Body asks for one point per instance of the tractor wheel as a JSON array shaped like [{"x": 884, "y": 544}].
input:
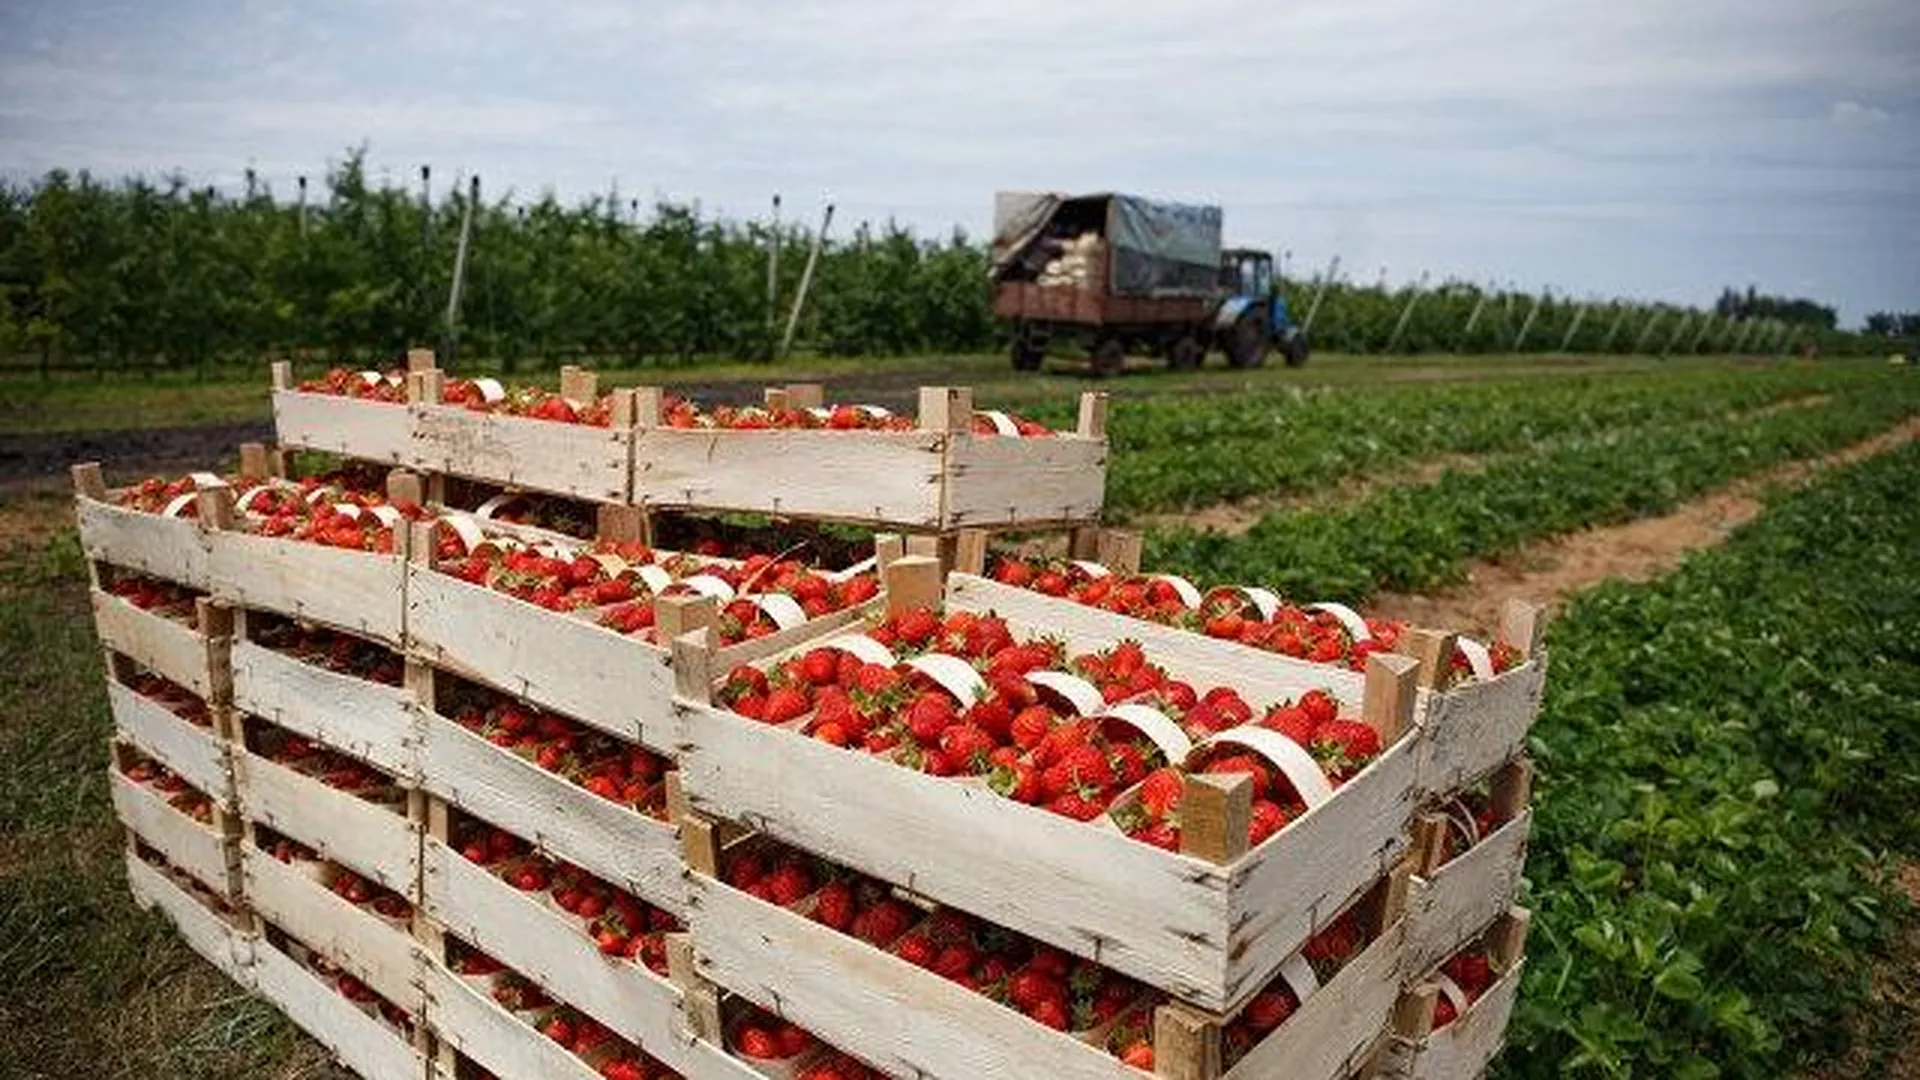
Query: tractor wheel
[
  {"x": 1186, "y": 353},
  {"x": 1247, "y": 342},
  {"x": 1109, "y": 357},
  {"x": 1295, "y": 349}
]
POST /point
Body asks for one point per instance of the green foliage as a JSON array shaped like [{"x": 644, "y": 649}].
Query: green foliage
[{"x": 1723, "y": 757}]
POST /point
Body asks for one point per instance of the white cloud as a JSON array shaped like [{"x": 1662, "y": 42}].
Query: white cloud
[{"x": 1852, "y": 114}]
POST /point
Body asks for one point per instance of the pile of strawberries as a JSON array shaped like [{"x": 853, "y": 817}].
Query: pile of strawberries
[
  {"x": 615, "y": 770},
  {"x": 361, "y": 893},
  {"x": 1224, "y": 613},
  {"x": 528, "y": 401},
  {"x": 1026, "y": 740},
  {"x": 179, "y": 794},
  {"x": 332, "y": 768},
  {"x": 762, "y": 1036},
  {"x": 329, "y": 649},
  {"x": 362, "y": 995},
  {"x": 1472, "y": 972},
  {"x": 175, "y": 698},
  {"x": 153, "y": 595},
  {"x": 620, "y": 924},
  {"x": 388, "y": 386},
  {"x": 680, "y": 413}
]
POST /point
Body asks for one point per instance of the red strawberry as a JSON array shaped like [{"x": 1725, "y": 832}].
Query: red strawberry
[
  {"x": 757, "y": 1042},
  {"x": 784, "y": 704},
  {"x": 1320, "y": 706},
  {"x": 820, "y": 666},
  {"x": 1268, "y": 818},
  {"x": 1269, "y": 1009},
  {"x": 834, "y": 906},
  {"x": 931, "y": 713},
  {"x": 1291, "y": 721},
  {"x": 916, "y": 627},
  {"x": 1249, "y": 764}
]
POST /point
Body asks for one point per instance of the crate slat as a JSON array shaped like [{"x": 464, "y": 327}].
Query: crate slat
[
  {"x": 171, "y": 548},
  {"x": 463, "y": 1016},
  {"x": 1466, "y": 895},
  {"x": 377, "y": 954},
  {"x": 371, "y": 721},
  {"x": 369, "y": 839},
  {"x": 1335, "y": 1029},
  {"x": 578, "y": 460},
  {"x": 169, "y": 648},
  {"x": 362, "y": 1043},
  {"x": 356, "y": 591},
  {"x": 223, "y": 944},
  {"x": 197, "y": 754},
  {"x": 372, "y": 430},
  {"x": 201, "y": 851}
]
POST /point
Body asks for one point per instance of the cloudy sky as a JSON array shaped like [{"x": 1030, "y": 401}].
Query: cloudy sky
[{"x": 1648, "y": 148}]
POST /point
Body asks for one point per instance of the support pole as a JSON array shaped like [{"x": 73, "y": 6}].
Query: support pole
[{"x": 806, "y": 281}]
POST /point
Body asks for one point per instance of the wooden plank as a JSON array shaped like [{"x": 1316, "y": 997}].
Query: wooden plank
[
  {"x": 198, "y": 754},
  {"x": 1463, "y": 1049},
  {"x": 610, "y": 841},
  {"x": 375, "y": 953},
  {"x": 164, "y": 646},
  {"x": 997, "y": 480},
  {"x": 362, "y": 1043},
  {"x": 1475, "y": 728},
  {"x": 464, "y": 1017},
  {"x": 903, "y": 1019},
  {"x": 578, "y": 460},
  {"x": 1334, "y": 1030},
  {"x": 356, "y": 591},
  {"x": 371, "y": 839},
  {"x": 529, "y": 934},
  {"x": 615, "y": 683},
  {"x": 162, "y": 547},
  {"x": 371, "y": 430},
  {"x": 1461, "y": 899},
  {"x": 793, "y": 472},
  {"x": 201, "y": 851},
  {"x": 206, "y": 931},
  {"x": 373, "y": 722}
]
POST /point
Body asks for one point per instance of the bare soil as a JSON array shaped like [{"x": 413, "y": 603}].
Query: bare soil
[{"x": 1554, "y": 569}]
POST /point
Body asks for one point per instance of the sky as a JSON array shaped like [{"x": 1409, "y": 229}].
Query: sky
[{"x": 1655, "y": 149}]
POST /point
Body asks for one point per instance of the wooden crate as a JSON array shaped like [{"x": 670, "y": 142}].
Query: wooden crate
[
  {"x": 356, "y": 591},
  {"x": 199, "y": 755},
  {"x": 225, "y": 939},
  {"x": 616, "y": 843},
  {"x": 193, "y": 655},
  {"x": 576, "y": 460},
  {"x": 173, "y": 548},
  {"x": 1210, "y": 931},
  {"x": 937, "y": 477},
  {"x": 1454, "y": 901},
  {"x": 357, "y": 941},
  {"x": 209, "y": 853},
  {"x": 369, "y": 720},
  {"x": 1466, "y": 731},
  {"x": 362, "y": 1043},
  {"x": 1465, "y": 1048},
  {"x": 912, "y": 1022},
  {"x": 376, "y": 841},
  {"x": 619, "y": 684}
]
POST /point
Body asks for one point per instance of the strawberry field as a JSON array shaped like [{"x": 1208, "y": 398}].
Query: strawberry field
[{"x": 541, "y": 744}]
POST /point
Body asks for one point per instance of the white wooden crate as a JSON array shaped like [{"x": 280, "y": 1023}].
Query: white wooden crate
[
  {"x": 622, "y": 846},
  {"x": 208, "y": 853},
  {"x": 369, "y": 430},
  {"x": 363, "y": 1044},
  {"x": 1466, "y": 895},
  {"x": 372, "y": 721},
  {"x": 1210, "y": 933},
  {"x": 532, "y": 936},
  {"x": 368, "y": 838},
  {"x": 616, "y": 683},
  {"x": 225, "y": 944},
  {"x": 357, "y": 941},
  {"x": 1471, "y": 730},
  {"x": 1465, "y": 1048},
  {"x": 199, "y": 755},
  {"x": 164, "y": 547},
  {"x": 577, "y": 460},
  {"x": 356, "y": 591},
  {"x": 911, "y": 1022},
  {"x": 178, "y": 651}
]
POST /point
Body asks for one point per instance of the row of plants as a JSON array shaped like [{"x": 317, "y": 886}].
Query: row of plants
[
  {"x": 1174, "y": 453},
  {"x": 1420, "y": 537},
  {"x": 1729, "y": 763},
  {"x": 137, "y": 274}
]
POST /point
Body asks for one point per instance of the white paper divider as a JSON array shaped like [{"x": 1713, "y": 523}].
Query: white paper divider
[
  {"x": 1189, "y": 595},
  {"x": 1293, "y": 761},
  {"x": 1085, "y": 698},
  {"x": 819, "y": 412},
  {"x": 1349, "y": 618},
  {"x": 314, "y": 496},
  {"x": 465, "y": 528},
  {"x": 1155, "y": 725},
  {"x": 863, "y": 647},
  {"x": 1002, "y": 423},
  {"x": 206, "y": 480},
  {"x": 708, "y": 585},
  {"x": 655, "y": 578},
  {"x": 785, "y": 612},
  {"x": 1452, "y": 992},
  {"x": 956, "y": 675},
  {"x": 386, "y": 515},
  {"x": 877, "y": 411},
  {"x": 179, "y": 503},
  {"x": 1460, "y": 815},
  {"x": 1091, "y": 569},
  {"x": 347, "y": 510},
  {"x": 613, "y": 564},
  {"x": 1265, "y": 601},
  {"x": 371, "y": 378},
  {"x": 394, "y": 378},
  {"x": 854, "y": 571},
  {"x": 490, "y": 390},
  {"x": 1300, "y": 977},
  {"x": 1478, "y": 658},
  {"x": 486, "y": 510}
]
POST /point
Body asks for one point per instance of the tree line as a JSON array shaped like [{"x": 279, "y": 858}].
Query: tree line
[{"x": 139, "y": 275}]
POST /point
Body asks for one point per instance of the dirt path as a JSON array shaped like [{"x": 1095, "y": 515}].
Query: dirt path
[{"x": 1550, "y": 571}]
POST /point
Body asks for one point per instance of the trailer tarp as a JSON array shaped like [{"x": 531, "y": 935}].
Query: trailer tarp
[{"x": 1157, "y": 247}]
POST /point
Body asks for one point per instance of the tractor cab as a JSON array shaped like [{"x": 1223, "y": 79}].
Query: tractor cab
[{"x": 1246, "y": 272}]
